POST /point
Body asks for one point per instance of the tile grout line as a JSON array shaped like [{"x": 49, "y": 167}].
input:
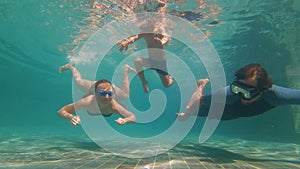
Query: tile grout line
[
  {"x": 154, "y": 162},
  {"x": 121, "y": 163},
  {"x": 138, "y": 163},
  {"x": 201, "y": 163},
  {"x": 89, "y": 162},
  {"x": 96, "y": 159},
  {"x": 184, "y": 160},
  {"x": 169, "y": 160}
]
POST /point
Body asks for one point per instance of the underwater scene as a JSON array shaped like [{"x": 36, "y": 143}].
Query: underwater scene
[{"x": 140, "y": 84}]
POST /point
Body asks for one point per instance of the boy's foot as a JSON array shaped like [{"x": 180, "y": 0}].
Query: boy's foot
[
  {"x": 169, "y": 80},
  {"x": 128, "y": 68},
  {"x": 145, "y": 86},
  {"x": 166, "y": 80},
  {"x": 203, "y": 81}
]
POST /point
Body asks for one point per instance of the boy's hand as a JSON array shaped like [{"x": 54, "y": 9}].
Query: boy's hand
[{"x": 123, "y": 45}]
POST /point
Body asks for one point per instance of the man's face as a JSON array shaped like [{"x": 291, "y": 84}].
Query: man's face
[{"x": 104, "y": 92}]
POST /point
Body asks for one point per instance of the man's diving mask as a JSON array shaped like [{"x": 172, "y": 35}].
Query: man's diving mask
[{"x": 248, "y": 92}]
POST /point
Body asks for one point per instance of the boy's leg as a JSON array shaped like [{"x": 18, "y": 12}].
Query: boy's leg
[
  {"x": 139, "y": 64},
  {"x": 166, "y": 79},
  {"x": 162, "y": 71},
  {"x": 124, "y": 93}
]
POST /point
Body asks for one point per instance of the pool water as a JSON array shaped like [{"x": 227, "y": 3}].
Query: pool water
[{"x": 37, "y": 37}]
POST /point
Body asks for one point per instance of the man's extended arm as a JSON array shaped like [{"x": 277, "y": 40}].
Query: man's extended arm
[
  {"x": 128, "y": 117},
  {"x": 67, "y": 111}
]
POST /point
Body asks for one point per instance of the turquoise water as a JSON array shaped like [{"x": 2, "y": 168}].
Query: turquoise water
[{"x": 38, "y": 36}]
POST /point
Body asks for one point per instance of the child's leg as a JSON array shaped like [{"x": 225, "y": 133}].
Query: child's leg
[
  {"x": 166, "y": 80},
  {"x": 124, "y": 93},
  {"x": 139, "y": 64}
]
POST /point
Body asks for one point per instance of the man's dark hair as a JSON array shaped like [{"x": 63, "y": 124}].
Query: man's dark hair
[{"x": 261, "y": 75}]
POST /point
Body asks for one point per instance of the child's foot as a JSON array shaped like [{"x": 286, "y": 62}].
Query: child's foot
[
  {"x": 128, "y": 68},
  {"x": 169, "y": 80},
  {"x": 166, "y": 80},
  {"x": 145, "y": 86},
  {"x": 64, "y": 67},
  {"x": 203, "y": 81}
]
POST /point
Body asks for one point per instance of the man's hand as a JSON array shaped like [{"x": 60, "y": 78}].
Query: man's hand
[
  {"x": 123, "y": 45},
  {"x": 121, "y": 121},
  {"x": 75, "y": 120}
]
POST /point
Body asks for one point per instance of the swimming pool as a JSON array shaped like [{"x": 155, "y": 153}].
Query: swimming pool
[{"x": 38, "y": 37}]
